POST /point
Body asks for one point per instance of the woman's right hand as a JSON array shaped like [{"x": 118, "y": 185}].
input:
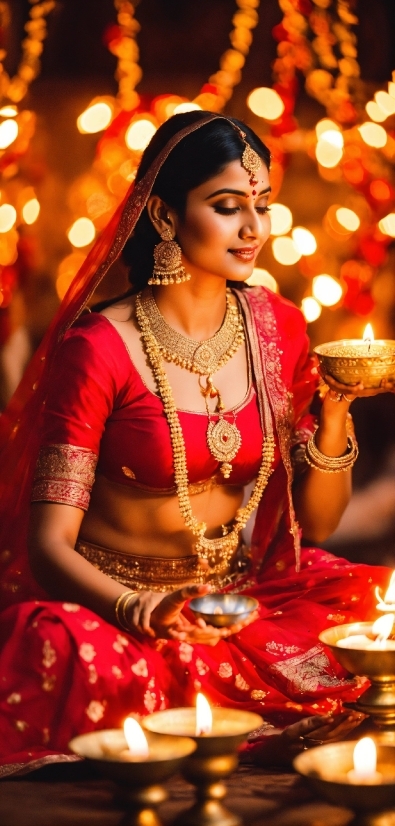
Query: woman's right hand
[{"x": 160, "y": 615}]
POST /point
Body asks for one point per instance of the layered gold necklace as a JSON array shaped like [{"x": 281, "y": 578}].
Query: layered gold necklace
[
  {"x": 205, "y": 358},
  {"x": 218, "y": 552}
]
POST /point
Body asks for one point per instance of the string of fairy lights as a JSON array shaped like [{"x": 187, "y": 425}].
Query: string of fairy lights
[{"x": 352, "y": 145}]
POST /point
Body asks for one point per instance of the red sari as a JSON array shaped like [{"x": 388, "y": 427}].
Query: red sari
[{"x": 65, "y": 671}]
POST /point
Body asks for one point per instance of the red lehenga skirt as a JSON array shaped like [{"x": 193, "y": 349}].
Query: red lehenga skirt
[{"x": 66, "y": 671}]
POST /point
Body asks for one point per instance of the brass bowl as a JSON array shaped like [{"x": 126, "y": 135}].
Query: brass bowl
[
  {"x": 369, "y": 663},
  {"x": 221, "y": 610},
  {"x": 325, "y": 768},
  {"x": 230, "y": 728},
  {"x": 350, "y": 362},
  {"x": 103, "y": 750}
]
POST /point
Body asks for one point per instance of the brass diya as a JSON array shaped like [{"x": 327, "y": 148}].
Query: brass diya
[
  {"x": 221, "y": 610},
  {"x": 378, "y": 700},
  {"x": 215, "y": 758},
  {"x": 327, "y": 769},
  {"x": 353, "y": 360},
  {"x": 139, "y": 779}
]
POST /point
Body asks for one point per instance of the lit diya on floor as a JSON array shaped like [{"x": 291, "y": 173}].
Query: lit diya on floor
[
  {"x": 351, "y": 361},
  {"x": 138, "y": 762},
  {"x": 359, "y": 775},
  {"x": 217, "y": 733},
  {"x": 368, "y": 649}
]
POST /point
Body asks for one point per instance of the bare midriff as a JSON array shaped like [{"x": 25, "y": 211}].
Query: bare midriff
[{"x": 137, "y": 522}]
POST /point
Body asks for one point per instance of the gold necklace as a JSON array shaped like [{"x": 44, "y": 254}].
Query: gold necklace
[
  {"x": 208, "y": 549},
  {"x": 204, "y": 358}
]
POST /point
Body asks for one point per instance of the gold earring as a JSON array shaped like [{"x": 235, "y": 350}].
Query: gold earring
[{"x": 168, "y": 267}]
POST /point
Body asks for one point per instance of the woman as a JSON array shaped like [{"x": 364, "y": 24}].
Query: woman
[{"x": 155, "y": 413}]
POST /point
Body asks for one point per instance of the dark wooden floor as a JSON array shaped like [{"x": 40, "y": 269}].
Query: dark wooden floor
[{"x": 71, "y": 795}]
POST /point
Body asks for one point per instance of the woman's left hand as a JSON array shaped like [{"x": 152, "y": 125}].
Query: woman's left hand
[
  {"x": 168, "y": 621},
  {"x": 339, "y": 392}
]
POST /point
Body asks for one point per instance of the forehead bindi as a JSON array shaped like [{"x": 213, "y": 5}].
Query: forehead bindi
[{"x": 235, "y": 180}]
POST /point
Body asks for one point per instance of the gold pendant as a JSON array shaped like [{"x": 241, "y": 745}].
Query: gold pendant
[{"x": 224, "y": 440}]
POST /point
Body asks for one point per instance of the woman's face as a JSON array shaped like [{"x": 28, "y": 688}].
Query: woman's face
[{"x": 226, "y": 223}]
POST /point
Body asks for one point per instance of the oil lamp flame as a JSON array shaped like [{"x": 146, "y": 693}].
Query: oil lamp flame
[
  {"x": 204, "y": 717},
  {"x": 388, "y": 603},
  {"x": 368, "y": 335},
  {"x": 135, "y": 738},
  {"x": 365, "y": 756},
  {"x": 383, "y": 627}
]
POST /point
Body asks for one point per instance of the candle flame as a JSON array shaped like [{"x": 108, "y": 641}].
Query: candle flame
[
  {"x": 368, "y": 333},
  {"x": 389, "y": 599},
  {"x": 204, "y": 717},
  {"x": 383, "y": 627},
  {"x": 365, "y": 756},
  {"x": 135, "y": 738}
]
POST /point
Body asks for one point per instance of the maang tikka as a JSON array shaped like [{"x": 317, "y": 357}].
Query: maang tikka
[
  {"x": 168, "y": 267},
  {"x": 250, "y": 160}
]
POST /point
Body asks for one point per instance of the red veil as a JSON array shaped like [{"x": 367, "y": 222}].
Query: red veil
[{"x": 20, "y": 424}]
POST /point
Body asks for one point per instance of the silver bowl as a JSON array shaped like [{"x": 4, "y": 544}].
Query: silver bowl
[{"x": 222, "y": 610}]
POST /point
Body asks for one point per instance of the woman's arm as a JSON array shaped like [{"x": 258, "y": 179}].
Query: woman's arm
[{"x": 321, "y": 498}]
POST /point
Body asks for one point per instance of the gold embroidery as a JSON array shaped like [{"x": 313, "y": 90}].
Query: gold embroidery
[
  {"x": 14, "y": 698},
  {"x": 129, "y": 473},
  {"x": 141, "y": 573},
  {"x": 95, "y": 710},
  {"x": 48, "y": 683},
  {"x": 87, "y": 652},
  {"x": 140, "y": 668},
  {"x": 21, "y": 725},
  {"x": 64, "y": 474},
  {"x": 241, "y": 684},
  {"x": 225, "y": 671},
  {"x": 257, "y": 694},
  {"x": 150, "y": 697},
  {"x": 49, "y": 655},
  {"x": 309, "y": 671}
]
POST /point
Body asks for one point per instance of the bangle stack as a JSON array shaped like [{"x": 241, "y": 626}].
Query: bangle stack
[
  {"x": 121, "y": 606},
  {"x": 331, "y": 464}
]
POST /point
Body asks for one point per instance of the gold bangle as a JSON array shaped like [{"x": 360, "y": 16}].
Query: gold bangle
[
  {"x": 124, "y": 606},
  {"x": 119, "y": 608},
  {"x": 331, "y": 464}
]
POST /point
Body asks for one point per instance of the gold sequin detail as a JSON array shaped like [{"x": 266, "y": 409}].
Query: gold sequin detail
[
  {"x": 129, "y": 473},
  {"x": 64, "y": 474}
]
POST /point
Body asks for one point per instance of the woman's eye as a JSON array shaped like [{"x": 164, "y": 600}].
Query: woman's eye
[
  {"x": 263, "y": 209},
  {"x": 226, "y": 210}
]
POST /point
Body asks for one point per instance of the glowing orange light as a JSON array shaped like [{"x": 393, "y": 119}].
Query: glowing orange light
[
  {"x": 7, "y": 217},
  {"x": 365, "y": 759},
  {"x": 326, "y": 125},
  {"x": 380, "y": 190},
  {"x": 304, "y": 241},
  {"x": 204, "y": 717},
  {"x": 280, "y": 219},
  {"x": 262, "y": 278},
  {"x": 348, "y": 219},
  {"x": 135, "y": 738},
  {"x": 374, "y": 112},
  {"x": 284, "y": 251},
  {"x": 31, "y": 211},
  {"x": 368, "y": 334},
  {"x": 373, "y": 134},
  {"x": 311, "y": 308},
  {"x": 327, "y": 152},
  {"x": 82, "y": 232},
  {"x": 8, "y": 111},
  {"x": 8, "y": 133},
  {"x": 387, "y": 225},
  {"x": 266, "y": 103},
  {"x": 139, "y": 134},
  {"x": 188, "y": 106},
  {"x": 95, "y": 118},
  {"x": 385, "y": 102},
  {"x": 326, "y": 290}
]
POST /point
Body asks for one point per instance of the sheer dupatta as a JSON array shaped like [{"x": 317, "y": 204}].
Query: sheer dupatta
[{"x": 20, "y": 424}]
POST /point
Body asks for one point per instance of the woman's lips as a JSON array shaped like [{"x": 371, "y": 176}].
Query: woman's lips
[{"x": 245, "y": 253}]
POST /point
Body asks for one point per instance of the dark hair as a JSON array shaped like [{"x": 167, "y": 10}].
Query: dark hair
[{"x": 194, "y": 160}]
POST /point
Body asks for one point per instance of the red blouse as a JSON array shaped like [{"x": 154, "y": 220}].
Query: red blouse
[{"x": 99, "y": 410}]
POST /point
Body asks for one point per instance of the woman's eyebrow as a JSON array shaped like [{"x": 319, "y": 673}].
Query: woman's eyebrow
[{"x": 236, "y": 192}]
